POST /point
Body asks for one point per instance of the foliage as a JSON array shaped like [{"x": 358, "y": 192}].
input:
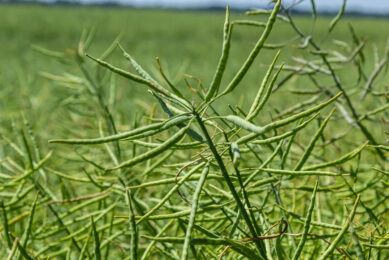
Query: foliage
[{"x": 194, "y": 176}]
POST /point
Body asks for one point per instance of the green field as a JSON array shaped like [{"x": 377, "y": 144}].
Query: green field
[
  {"x": 44, "y": 97},
  {"x": 186, "y": 42}
]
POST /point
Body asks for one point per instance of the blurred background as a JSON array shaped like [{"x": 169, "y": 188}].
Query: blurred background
[
  {"x": 373, "y": 7},
  {"x": 185, "y": 34}
]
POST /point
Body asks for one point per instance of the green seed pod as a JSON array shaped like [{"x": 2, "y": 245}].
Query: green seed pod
[
  {"x": 138, "y": 133},
  {"x": 260, "y": 130},
  {"x": 153, "y": 152},
  {"x": 236, "y": 154}
]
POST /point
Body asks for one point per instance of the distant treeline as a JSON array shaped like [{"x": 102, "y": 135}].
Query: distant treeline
[{"x": 215, "y": 8}]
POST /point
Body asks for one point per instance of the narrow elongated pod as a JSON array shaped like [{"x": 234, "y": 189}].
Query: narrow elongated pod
[
  {"x": 258, "y": 46},
  {"x": 337, "y": 17},
  {"x": 129, "y": 75},
  {"x": 267, "y": 93},
  {"x": 251, "y": 114},
  {"x": 277, "y": 138},
  {"x": 236, "y": 154},
  {"x": 27, "y": 232},
  {"x": 138, "y": 132},
  {"x": 263, "y": 129},
  {"x": 153, "y": 152},
  {"x": 147, "y": 76},
  {"x": 342, "y": 159},
  {"x": 133, "y": 227},
  {"x": 311, "y": 144},
  {"x": 307, "y": 224},
  {"x": 173, "y": 88},
  {"x": 170, "y": 193},
  {"x": 161, "y": 232},
  {"x": 192, "y": 217},
  {"x": 238, "y": 246},
  {"x": 300, "y": 173},
  {"x": 215, "y": 84},
  {"x": 345, "y": 226},
  {"x": 139, "y": 68},
  {"x": 96, "y": 239}
]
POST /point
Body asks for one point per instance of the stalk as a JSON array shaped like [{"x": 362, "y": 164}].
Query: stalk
[{"x": 258, "y": 243}]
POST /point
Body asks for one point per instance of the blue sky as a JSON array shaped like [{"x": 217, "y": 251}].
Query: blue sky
[{"x": 364, "y": 6}]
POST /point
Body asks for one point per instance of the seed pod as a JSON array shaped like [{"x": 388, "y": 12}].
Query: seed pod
[
  {"x": 258, "y": 46},
  {"x": 236, "y": 154},
  {"x": 223, "y": 59},
  {"x": 140, "y": 132},
  {"x": 261, "y": 90},
  {"x": 163, "y": 147},
  {"x": 260, "y": 130}
]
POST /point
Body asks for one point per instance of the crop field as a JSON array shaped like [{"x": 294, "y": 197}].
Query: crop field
[{"x": 165, "y": 134}]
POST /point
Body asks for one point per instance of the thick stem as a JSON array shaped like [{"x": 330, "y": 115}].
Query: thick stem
[{"x": 259, "y": 244}]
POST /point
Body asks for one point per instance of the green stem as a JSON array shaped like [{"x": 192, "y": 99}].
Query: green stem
[
  {"x": 339, "y": 86},
  {"x": 259, "y": 244}
]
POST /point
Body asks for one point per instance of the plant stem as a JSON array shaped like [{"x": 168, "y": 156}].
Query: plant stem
[{"x": 259, "y": 244}]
